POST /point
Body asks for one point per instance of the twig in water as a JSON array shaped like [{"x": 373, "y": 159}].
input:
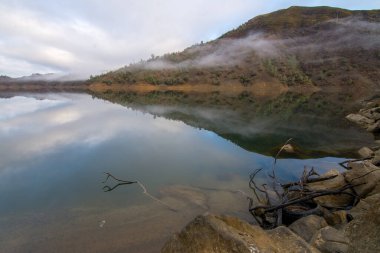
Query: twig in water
[{"x": 106, "y": 188}]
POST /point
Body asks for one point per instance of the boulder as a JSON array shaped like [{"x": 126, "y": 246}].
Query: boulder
[
  {"x": 360, "y": 120},
  {"x": 376, "y": 160},
  {"x": 365, "y": 152},
  {"x": 374, "y": 127},
  {"x": 307, "y": 226},
  {"x": 366, "y": 176},
  {"x": 364, "y": 206},
  {"x": 371, "y": 104},
  {"x": 332, "y": 201},
  {"x": 364, "y": 230},
  {"x": 336, "y": 219},
  {"x": 224, "y": 234},
  {"x": 330, "y": 240},
  {"x": 371, "y": 113},
  {"x": 294, "y": 243}
]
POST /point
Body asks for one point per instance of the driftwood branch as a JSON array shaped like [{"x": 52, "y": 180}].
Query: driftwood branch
[
  {"x": 106, "y": 188},
  {"x": 296, "y": 196},
  {"x": 343, "y": 164}
]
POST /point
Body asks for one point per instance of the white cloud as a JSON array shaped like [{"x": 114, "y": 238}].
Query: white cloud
[{"x": 94, "y": 36}]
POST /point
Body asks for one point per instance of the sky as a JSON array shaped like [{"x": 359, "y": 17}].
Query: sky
[{"x": 84, "y": 37}]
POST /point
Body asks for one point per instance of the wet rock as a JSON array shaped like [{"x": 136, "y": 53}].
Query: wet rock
[
  {"x": 365, "y": 152},
  {"x": 330, "y": 240},
  {"x": 306, "y": 227},
  {"x": 364, "y": 230},
  {"x": 365, "y": 176},
  {"x": 225, "y": 234},
  {"x": 360, "y": 120},
  {"x": 332, "y": 201}
]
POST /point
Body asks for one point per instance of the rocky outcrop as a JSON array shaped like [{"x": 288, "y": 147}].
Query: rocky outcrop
[
  {"x": 225, "y": 234},
  {"x": 334, "y": 230},
  {"x": 368, "y": 117},
  {"x": 365, "y": 177}
]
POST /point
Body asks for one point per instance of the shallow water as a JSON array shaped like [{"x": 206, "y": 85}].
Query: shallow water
[{"x": 55, "y": 149}]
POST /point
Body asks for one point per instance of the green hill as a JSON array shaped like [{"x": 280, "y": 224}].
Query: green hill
[{"x": 308, "y": 46}]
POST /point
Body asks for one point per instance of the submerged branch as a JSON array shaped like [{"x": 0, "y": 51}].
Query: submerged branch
[{"x": 106, "y": 188}]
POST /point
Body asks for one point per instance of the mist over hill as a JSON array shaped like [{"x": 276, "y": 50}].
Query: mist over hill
[{"x": 315, "y": 46}]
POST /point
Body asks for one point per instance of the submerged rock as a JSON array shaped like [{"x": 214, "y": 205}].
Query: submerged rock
[
  {"x": 186, "y": 194},
  {"x": 224, "y": 234}
]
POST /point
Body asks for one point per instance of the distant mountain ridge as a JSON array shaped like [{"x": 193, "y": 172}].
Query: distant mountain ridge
[
  {"x": 41, "y": 82},
  {"x": 40, "y": 77},
  {"x": 318, "y": 46}
]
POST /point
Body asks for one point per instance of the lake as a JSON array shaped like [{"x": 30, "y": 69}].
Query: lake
[{"x": 192, "y": 158}]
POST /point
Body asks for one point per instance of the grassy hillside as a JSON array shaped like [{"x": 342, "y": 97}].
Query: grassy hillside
[{"x": 320, "y": 46}]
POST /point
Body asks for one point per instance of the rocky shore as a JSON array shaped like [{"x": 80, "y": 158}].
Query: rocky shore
[
  {"x": 333, "y": 229},
  {"x": 368, "y": 117}
]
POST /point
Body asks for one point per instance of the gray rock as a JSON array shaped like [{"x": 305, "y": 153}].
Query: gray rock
[
  {"x": 331, "y": 201},
  {"x": 372, "y": 113},
  {"x": 224, "y": 234},
  {"x": 360, "y": 120},
  {"x": 376, "y": 160},
  {"x": 295, "y": 243},
  {"x": 330, "y": 240},
  {"x": 375, "y": 109},
  {"x": 371, "y": 104},
  {"x": 336, "y": 219},
  {"x": 365, "y": 152},
  {"x": 374, "y": 128},
  {"x": 365, "y": 176},
  {"x": 364, "y": 230},
  {"x": 364, "y": 206},
  {"x": 307, "y": 226}
]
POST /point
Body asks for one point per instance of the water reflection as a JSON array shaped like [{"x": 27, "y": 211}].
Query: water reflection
[
  {"x": 55, "y": 148},
  {"x": 260, "y": 123}
]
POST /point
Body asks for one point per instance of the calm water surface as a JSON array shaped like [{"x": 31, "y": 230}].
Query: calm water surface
[{"x": 55, "y": 149}]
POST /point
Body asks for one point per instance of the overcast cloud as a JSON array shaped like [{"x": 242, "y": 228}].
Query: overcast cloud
[{"x": 86, "y": 37}]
